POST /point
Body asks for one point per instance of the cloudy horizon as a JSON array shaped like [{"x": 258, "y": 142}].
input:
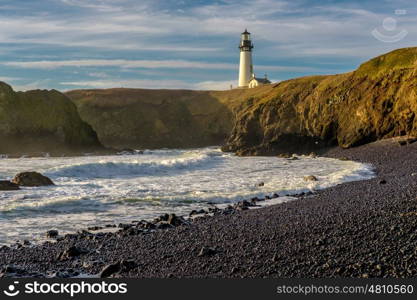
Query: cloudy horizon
[{"x": 192, "y": 44}]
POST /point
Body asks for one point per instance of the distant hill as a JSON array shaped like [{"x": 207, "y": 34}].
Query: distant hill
[
  {"x": 42, "y": 121},
  {"x": 142, "y": 118}
]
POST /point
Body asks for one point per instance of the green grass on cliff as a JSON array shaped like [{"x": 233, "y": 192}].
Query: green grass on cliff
[
  {"x": 397, "y": 59},
  {"x": 379, "y": 100}
]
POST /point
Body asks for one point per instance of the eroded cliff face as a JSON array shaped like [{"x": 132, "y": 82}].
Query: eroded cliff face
[
  {"x": 142, "y": 118},
  {"x": 42, "y": 121},
  {"x": 308, "y": 114}
]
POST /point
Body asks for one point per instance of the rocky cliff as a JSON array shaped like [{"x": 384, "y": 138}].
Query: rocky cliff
[
  {"x": 42, "y": 121},
  {"x": 301, "y": 115},
  {"x": 142, "y": 118},
  {"x": 376, "y": 101}
]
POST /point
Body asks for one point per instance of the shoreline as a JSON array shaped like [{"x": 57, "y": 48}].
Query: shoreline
[
  {"x": 340, "y": 231},
  {"x": 51, "y": 154}
]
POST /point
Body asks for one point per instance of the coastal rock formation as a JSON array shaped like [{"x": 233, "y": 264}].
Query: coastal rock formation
[
  {"x": 310, "y": 178},
  {"x": 31, "y": 179},
  {"x": 6, "y": 185},
  {"x": 41, "y": 121},
  {"x": 142, "y": 118},
  {"x": 301, "y": 115},
  {"x": 139, "y": 118},
  {"x": 52, "y": 233},
  {"x": 117, "y": 267}
]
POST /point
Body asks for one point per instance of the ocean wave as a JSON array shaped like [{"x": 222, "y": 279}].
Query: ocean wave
[
  {"x": 55, "y": 205},
  {"x": 110, "y": 169}
]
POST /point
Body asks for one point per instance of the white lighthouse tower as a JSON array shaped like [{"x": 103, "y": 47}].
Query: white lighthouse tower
[{"x": 245, "y": 67}]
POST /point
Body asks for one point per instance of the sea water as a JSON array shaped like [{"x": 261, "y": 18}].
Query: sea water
[{"x": 98, "y": 190}]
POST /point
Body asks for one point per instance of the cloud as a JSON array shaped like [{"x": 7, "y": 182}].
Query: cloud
[
  {"x": 98, "y": 74},
  {"x": 34, "y": 85},
  {"x": 153, "y": 84},
  {"x": 215, "y": 85},
  {"x": 290, "y": 37},
  {"x": 101, "y": 35},
  {"x": 146, "y": 64},
  {"x": 9, "y": 79},
  {"x": 122, "y": 63},
  {"x": 251, "y": 10},
  {"x": 98, "y": 5},
  {"x": 149, "y": 25}
]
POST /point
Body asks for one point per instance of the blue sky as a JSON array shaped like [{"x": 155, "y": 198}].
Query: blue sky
[{"x": 71, "y": 44}]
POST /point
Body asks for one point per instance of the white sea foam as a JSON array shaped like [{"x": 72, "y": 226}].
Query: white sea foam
[
  {"x": 135, "y": 167},
  {"x": 94, "y": 190}
]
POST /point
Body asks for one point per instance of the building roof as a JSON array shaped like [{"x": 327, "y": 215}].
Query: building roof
[
  {"x": 246, "y": 32},
  {"x": 261, "y": 80}
]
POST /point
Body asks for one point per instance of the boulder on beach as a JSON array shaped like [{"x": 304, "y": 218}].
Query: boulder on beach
[
  {"x": 31, "y": 179},
  {"x": 310, "y": 178},
  {"x": 52, "y": 233},
  {"x": 6, "y": 185},
  {"x": 71, "y": 252},
  {"x": 169, "y": 220},
  {"x": 207, "y": 251},
  {"x": 117, "y": 268}
]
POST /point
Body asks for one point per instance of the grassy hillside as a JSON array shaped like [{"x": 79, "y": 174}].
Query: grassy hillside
[
  {"x": 41, "y": 121},
  {"x": 306, "y": 114},
  {"x": 405, "y": 58}
]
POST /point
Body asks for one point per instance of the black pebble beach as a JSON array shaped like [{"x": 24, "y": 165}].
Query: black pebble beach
[{"x": 358, "y": 229}]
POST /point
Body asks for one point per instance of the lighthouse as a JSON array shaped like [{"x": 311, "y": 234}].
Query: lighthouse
[{"x": 245, "y": 67}]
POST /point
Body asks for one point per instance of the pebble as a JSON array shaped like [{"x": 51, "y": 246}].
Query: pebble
[
  {"x": 207, "y": 251},
  {"x": 52, "y": 233}
]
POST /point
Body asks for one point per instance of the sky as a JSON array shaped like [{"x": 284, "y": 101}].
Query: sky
[{"x": 191, "y": 44}]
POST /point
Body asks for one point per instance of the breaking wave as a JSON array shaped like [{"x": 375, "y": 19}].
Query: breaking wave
[{"x": 109, "y": 169}]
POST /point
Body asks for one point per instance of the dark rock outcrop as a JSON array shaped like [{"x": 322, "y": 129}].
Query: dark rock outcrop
[
  {"x": 6, "y": 185},
  {"x": 118, "y": 267},
  {"x": 207, "y": 251},
  {"x": 42, "y": 121},
  {"x": 31, "y": 179},
  {"x": 71, "y": 252},
  {"x": 110, "y": 270},
  {"x": 52, "y": 233},
  {"x": 171, "y": 220}
]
